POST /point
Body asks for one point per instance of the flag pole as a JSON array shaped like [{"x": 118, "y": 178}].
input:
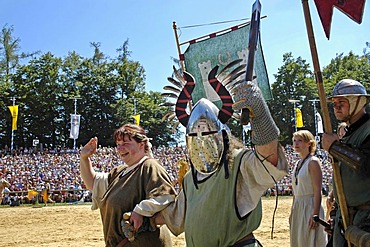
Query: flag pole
[
  {"x": 294, "y": 112},
  {"x": 326, "y": 119},
  {"x": 314, "y": 112},
  {"x": 174, "y": 26},
  {"x": 182, "y": 63}
]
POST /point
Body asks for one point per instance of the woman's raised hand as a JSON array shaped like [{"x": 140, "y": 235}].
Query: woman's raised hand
[{"x": 90, "y": 148}]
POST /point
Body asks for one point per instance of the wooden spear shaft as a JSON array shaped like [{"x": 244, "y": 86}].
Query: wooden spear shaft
[{"x": 324, "y": 107}]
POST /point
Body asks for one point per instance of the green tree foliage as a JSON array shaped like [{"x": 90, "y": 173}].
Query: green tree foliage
[
  {"x": 39, "y": 87},
  {"x": 294, "y": 81},
  {"x": 345, "y": 66},
  {"x": 9, "y": 57},
  {"x": 100, "y": 89},
  {"x": 366, "y": 51},
  {"x": 148, "y": 106},
  {"x": 98, "y": 55},
  {"x": 109, "y": 91},
  {"x": 349, "y": 66},
  {"x": 9, "y": 51}
]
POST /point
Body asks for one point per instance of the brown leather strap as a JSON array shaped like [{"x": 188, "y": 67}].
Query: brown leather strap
[
  {"x": 361, "y": 207},
  {"x": 347, "y": 155},
  {"x": 123, "y": 242}
]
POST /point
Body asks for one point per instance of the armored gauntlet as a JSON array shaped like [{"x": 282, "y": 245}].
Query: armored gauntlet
[{"x": 248, "y": 95}]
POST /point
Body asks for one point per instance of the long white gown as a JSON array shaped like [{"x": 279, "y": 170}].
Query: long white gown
[{"x": 300, "y": 233}]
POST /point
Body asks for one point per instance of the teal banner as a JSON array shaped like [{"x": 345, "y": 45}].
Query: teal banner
[{"x": 200, "y": 57}]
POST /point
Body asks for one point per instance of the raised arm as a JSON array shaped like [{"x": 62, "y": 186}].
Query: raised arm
[
  {"x": 86, "y": 169},
  {"x": 264, "y": 130}
]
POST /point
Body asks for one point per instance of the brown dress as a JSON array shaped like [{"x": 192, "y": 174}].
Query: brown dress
[{"x": 125, "y": 190}]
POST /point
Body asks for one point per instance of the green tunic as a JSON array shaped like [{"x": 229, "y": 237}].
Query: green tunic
[{"x": 213, "y": 222}]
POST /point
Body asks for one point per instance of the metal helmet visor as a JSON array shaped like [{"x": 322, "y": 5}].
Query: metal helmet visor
[{"x": 204, "y": 137}]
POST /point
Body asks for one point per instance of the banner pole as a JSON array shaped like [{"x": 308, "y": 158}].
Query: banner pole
[
  {"x": 174, "y": 26},
  {"x": 327, "y": 124},
  {"x": 182, "y": 62}
]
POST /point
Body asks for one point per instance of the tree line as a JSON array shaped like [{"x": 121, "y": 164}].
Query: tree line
[
  {"x": 45, "y": 87},
  {"x": 295, "y": 80},
  {"x": 106, "y": 92}
]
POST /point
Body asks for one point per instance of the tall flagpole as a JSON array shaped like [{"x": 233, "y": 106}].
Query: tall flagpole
[
  {"x": 294, "y": 101},
  {"x": 314, "y": 112},
  {"x": 324, "y": 107},
  {"x": 182, "y": 63},
  {"x": 174, "y": 26},
  {"x": 133, "y": 98}
]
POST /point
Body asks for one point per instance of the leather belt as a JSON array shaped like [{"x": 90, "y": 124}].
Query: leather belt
[
  {"x": 249, "y": 239},
  {"x": 363, "y": 207}
]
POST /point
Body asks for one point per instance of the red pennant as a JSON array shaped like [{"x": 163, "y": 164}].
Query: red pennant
[{"x": 354, "y": 9}]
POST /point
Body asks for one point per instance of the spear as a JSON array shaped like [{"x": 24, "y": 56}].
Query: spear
[{"x": 324, "y": 107}]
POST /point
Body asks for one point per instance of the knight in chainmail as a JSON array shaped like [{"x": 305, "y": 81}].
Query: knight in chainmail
[{"x": 220, "y": 204}]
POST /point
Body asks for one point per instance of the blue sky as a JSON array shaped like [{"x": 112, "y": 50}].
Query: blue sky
[{"x": 70, "y": 25}]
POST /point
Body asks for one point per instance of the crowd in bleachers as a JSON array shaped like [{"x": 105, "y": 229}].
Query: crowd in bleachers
[{"x": 27, "y": 169}]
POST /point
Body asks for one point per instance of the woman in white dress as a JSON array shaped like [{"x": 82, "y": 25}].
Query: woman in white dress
[{"x": 307, "y": 185}]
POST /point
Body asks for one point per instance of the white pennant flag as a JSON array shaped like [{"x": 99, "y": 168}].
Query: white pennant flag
[
  {"x": 320, "y": 129},
  {"x": 75, "y": 126}
]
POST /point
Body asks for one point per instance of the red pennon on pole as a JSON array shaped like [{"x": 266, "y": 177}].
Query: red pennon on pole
[{"x": 354, "y": 9}]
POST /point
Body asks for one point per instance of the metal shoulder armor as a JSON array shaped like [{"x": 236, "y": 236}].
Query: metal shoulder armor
[{"x": 347, "y": 155}]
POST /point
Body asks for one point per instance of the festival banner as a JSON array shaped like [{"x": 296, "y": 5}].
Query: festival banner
[
  {"x": 220, "y": 49},
  {"x": 14, "y": 111},
  {"x": 75, "y": 126},
  {"x": 299, "y": 118},
  {"x": 137, "y": 119}
]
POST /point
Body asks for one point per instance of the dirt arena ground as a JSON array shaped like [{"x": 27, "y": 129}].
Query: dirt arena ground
[{"x": 78, "y": 225}]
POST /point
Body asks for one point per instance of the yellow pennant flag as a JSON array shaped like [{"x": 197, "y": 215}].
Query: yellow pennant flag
[
  {"x": 14, "y": 111},
  {"x": 137, "y": 119},
  {"x": 299, "y": 119}
]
